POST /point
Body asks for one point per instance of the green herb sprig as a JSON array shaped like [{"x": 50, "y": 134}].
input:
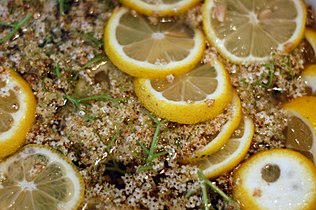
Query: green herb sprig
[
  {"x": 63, "y": 6},
  {"x": 77, "y": 101},
  {"x": 150, "y": 153},
  {"x": 89, "y": 38},
  {"x": 204, "y": 184},
  {"x": 57, "y": 71},
  {"x": 15, "y": 27},
  {"x": 96, "y": 59},
  {"x": 113, "y": 166}
]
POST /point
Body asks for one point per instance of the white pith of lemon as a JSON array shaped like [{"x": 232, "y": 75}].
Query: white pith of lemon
[
  {"x": 248, "y": 31},
  {"x": 37, "y": 177},
  {"x": 301, "y": 132},
  {"x": 231, "y": 154},
  {"x": 225, "y": 133},
  {"x": 143, "y": 49},
  {"x": 17, "y": 111},
  {"x": 160, "y": 7},
  {"x": 196, "y": 96},
  {"x": 276, "y": 179}
]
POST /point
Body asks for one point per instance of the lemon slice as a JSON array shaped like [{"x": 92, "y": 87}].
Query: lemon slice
[
  {"x": 276, "y": 179},
  {"x": 37, "y": 177},
  {"x": 309, "y": 53},
  {"x": 196, "y": 96},
  {"x": 160, "y": 7},
  {"x": 301, "y": 130},
  {"x": 309, "y": 76},
  {"x": 309, "y": 47},
  {"x": 17, "y": 111},
  {"x": 310, "y": 36},
  {"x": 247, "y": 31},
  {"x": 144, "y": 49},
  {"x": 235, "y": 115},
  {"x": 231, "y": 154}
]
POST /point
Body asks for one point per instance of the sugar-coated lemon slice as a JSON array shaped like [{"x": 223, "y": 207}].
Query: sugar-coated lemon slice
[
  {"x": 38, "y": 177},
  {"x": 17, "y": 111},
  {"x": 248, "y": 31},
  {"x": 196, "y": 96},
  {"x": 144, "y": 49},
  {"x": 276, "y": 179}
]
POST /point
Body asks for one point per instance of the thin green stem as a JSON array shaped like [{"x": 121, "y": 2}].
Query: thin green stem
[
  {"x": 97, "y": 97},
  {"x": 57, "y": 71},
  {"x": 204, "y": 197},
  {"x": 110, "y": 144},
  {"x": 218, "y": 191},
  {"x": 73, "y": 100},
  {"x": 271, "y": 78},
  {"x": 151, "y": 155},
  {"x": 157, "y": 155},
  {"x": 270, "y": 74},
  {"x": 145, "y": 168},
  {"x": 143, "y": 147},
  {"x": 89, "y": 38},
  {"x": 16, "y": 28},
  {"x": 214, "y": 187},
  {"x": 94, "y": 60},
  {"x": 193, "y": 189},
  {"x": 114, "y": 166},
  {"x": 154, "y": 143},
  {"x": 151, "y": 116},
  {"x": 2, "y": 23},
  {"x": 61, "y": 4},
  {"x": 77, "y": 101}
]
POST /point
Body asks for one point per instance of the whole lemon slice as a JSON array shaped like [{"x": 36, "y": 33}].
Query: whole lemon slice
[
  {"x": 37, "y": 177},
  {"x": 248, "y": 31},
  {"x": 17, "y": 111},
  {"x": 301, "y": 129},
  {"x": 276, "y": 179},
  {"x": 196, "y": 96},
  {"x": 160, "y": 7},
  {"x": 151, "y": 50}
]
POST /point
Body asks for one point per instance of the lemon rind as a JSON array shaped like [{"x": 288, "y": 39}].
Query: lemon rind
[
  {"x": 13, "y": 139},
  {"x": 246, "y": 198},
  {"x": 307, "y": 117},
  {"x": 310, "y": 36},
  {"x": 191, "y": 113},
  {"x": 143, "y": 69},
  {"x": 162, "y": 9},
  {"x": 287, "y": 46},
  {"x": 237, "y": 156},
  {"x": 226, "y": 131},
  {"x": 53, "y": 156}
]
